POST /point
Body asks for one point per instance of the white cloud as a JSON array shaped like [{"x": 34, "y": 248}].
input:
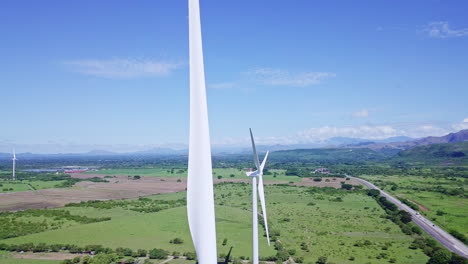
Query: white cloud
[
  {"x": 223, "y": 85},
  {"x": 122, "y": 68},
  {"x": 460, "y": 126},
  {"x": 441, "y": 29},
  {"x": 361, "y": 113},
  {"x": 277, "y": 77}
]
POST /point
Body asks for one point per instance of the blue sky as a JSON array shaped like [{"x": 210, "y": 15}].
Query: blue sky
[{"x": 83, "y": 75}]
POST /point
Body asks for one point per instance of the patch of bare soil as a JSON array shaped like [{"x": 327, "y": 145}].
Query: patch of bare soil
[
  {"x": 334, "y": 182},
  {"x": 46, "y": 256},
  {"x": 120, "y": 187}
]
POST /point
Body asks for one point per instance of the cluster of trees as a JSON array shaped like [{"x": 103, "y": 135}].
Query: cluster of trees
[
  {"x": 100, "y": 254},
  {"x": 142, "y": 205},
  {"x": 69, "y": 182},
  {"x": 11, "y": 224}
]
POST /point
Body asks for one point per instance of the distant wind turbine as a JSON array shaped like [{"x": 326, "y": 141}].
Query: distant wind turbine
[
  {"x": 257, "y": 174},
  {"x": 14, "y": 165},
  {"x": 200, "y": 198}
]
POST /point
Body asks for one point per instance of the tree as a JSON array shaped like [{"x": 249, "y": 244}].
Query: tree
[
  {"x": 346, "y": 186},
  {"x": 458, "y": 260},
  {"x": 141, "y": 253},
  {"x": 321, "y": 260},
  {"x": 373, "y": 193},
  {"x": 127, "y": 252},
  {"x": 177, "y": 240},
  {"x": 190, "y": 255},
  {"x": 441, "y": 256},
  {"x": 405, "y": 217},
  {"x": 157, "y": 253}
]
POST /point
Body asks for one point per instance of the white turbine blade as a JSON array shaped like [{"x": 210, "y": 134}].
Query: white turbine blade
[
  {"x": 257, "y": 162},
  {"x": 261, "y": 194},
  {"x": 264, "y": 162},
  {"x": 200, "y": 199}
]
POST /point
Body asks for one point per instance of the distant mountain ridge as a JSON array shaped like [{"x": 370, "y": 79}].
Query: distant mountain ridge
[
  {"x": 390, "y": 145},
  {"x": 460, "y": 136}
]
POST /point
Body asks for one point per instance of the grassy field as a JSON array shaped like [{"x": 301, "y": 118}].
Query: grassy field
[
  {"x": 225, "y": 173},
  {"x": 312, "y": 217},
  {"x": 422, "y": 191},
  {"x": 24, "y": 185}
]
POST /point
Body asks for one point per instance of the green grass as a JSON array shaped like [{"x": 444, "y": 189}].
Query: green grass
[
  {"x": 5, "y": 258},
  {"x": 456, "y": 217},
  {"x": 225, "y": 173},
  {"x": 24, "y": 185},
  {"x": 328, "y": 228}
]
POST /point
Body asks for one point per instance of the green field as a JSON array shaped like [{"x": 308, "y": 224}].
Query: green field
[
  {"x": 311, "y": 216},
  {"x": 25, "y": 185},
  {"x": 225, "y": 173},
  {"x": 423, "y": 191}
]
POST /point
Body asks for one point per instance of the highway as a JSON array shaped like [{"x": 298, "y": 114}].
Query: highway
[{"x": 432, "y": 229}]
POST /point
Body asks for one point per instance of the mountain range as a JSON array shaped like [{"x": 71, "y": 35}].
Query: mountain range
[{"x": 388, "y": 145}]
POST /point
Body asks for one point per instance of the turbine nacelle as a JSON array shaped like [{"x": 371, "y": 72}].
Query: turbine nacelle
[{"x": 254, "y": 173}]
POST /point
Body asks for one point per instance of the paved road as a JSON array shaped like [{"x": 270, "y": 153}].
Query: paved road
[{"x": 436, "y": 232}]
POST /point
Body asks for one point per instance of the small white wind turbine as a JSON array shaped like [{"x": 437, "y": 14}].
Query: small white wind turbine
[
  {"x": 14, "y": 165},
  {"x": 254, "y": 175}
]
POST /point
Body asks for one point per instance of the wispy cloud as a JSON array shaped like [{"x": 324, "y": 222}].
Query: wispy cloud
[
  {"x": 278, "y": 77},
  {"x": 122, "y": 68},
  {"x": 361, "y": 113},
  {"x": 441, "y": 29}
]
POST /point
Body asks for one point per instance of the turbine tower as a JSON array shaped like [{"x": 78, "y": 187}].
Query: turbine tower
[
  {"x": 200, "y": 197},
  {"x": 254, "y": 175},
  {"x": 14, "y": 165}
]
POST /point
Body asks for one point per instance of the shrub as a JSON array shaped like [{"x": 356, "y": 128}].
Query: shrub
[
  {"x": 299, "y": 259},
  {"x": 177, "y": 240},
  {"x": 459, "y": 236},
  {"x": 141, "y": 253},
  {"x": 441, "y": 256},
  {"x": 190, "y": 255},
  {"x": 282, "y": 255},
  {"x": 321, "y": 260},
  {"x": 157, "y": 253}
]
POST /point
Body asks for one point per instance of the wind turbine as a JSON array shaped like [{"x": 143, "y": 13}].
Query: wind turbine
[
  {"x": 200, "y": 197},
  {"x": 14, "y": 165},
  {"x": 254, "y": 175}
]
